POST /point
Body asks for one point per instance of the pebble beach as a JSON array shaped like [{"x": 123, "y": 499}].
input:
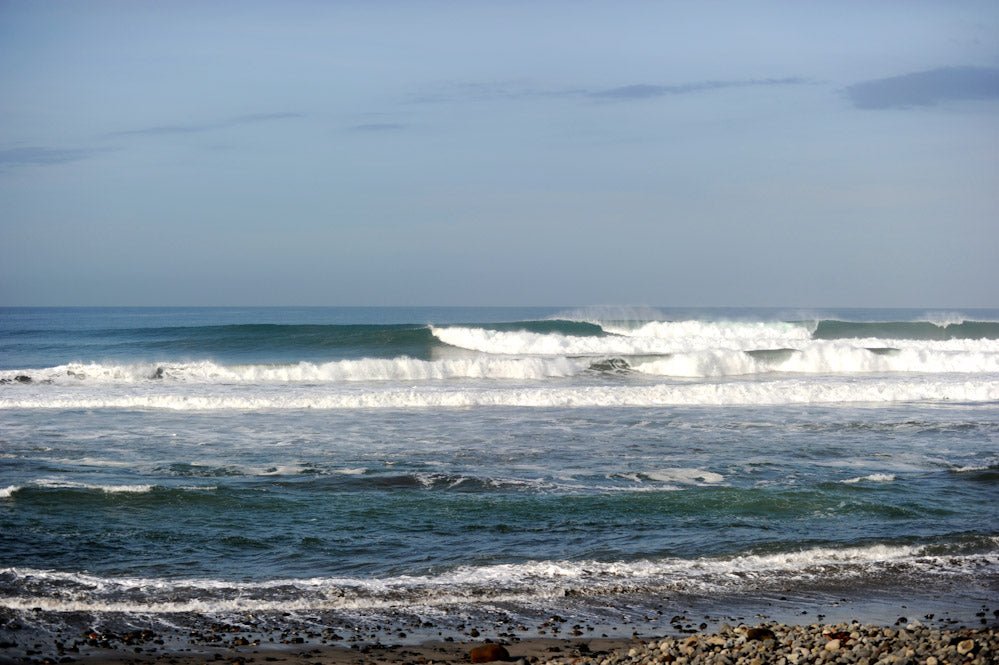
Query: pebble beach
[
  {"x": 765, "y": 643},
  {"x": 782, "y": 645}
]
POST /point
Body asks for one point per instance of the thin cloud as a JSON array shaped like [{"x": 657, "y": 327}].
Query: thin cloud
[
  {"x": 265, "y": 117},
  {"x": 489, "y": 92},
  {"x": 197, "y": 128},
  {"x": 39, "y": 156},
  {"x": 379, "y": 127},
  {"x": 647, "y": 91},
  {"x": 926, "y": 88},
  {"x": 166, "y": 130},
  {"x": 479, "y": 92}
]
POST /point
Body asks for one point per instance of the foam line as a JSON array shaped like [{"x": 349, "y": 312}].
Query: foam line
[
  {"x": 367, "y": 369},
  {"x": 776, "y": 391}
]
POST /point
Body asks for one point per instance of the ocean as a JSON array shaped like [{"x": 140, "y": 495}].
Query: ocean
[{"x": 409, "y": 472}]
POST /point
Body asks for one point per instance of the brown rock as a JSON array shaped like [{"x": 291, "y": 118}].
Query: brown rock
[
  {"x": 488, "y": 652},
  {"x": 760, "y": 634}
]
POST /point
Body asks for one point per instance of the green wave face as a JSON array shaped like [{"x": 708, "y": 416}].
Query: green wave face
[{"x": 912, "y": 330}]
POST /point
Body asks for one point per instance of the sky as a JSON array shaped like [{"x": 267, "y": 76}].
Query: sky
[{"x": 785, "y": 154}]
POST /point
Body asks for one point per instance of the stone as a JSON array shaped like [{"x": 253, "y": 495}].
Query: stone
[
  {"x": 760, "y": 634},
  {"x": 488, "y": 653},
  {"x": 965, "y": 646}
]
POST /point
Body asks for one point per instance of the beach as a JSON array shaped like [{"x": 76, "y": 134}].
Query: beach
[{"x": 768, "y": 642}]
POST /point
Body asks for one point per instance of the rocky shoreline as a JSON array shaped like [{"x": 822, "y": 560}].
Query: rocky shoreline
[
  {"x": 769, "y": 643},
  {"x": 780, "y": 644}
]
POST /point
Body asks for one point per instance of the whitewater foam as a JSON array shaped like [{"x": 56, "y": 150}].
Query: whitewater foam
[
  {"x": 773, "y": 391},
  {"x": 110, "y": 489},
  {"x": 651, "y": 338},
  {"x": 685, "y": 476},
  {"x": 944, "y": 319},
  {"x": 727, "y": 338},
  {"x": 368, "y": 369},
  {"x": 737, "y": 334},
  {"x": 873, "y": 478},
  {"x": 62, "y": 591},
  {"x": 824, "y": 358}
]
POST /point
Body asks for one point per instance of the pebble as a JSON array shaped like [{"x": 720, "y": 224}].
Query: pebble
[{"x": 801, "y": 645}]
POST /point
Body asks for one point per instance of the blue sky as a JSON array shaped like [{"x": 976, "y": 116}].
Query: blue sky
[{"x": 499, "y": 153}]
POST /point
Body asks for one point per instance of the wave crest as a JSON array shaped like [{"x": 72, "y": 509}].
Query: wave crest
[{"x": 366, "y": 369}]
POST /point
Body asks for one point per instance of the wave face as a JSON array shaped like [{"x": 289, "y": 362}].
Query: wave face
[{"x": 497, "y": 466}]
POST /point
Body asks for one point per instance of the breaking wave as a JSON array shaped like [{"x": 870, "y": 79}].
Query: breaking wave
[
  {"x": 523, "y": 582},
  {"x": 776, "y": 391}
]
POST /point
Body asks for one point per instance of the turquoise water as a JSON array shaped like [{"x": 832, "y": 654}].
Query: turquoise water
[{"x": 456, "y": 463}]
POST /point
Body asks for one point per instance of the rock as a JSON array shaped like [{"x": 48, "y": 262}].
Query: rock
[
  {"x": 760, "y": 634},
  {"x": 488, "y": 653},
  {"x": 832, "y": 645},
  {"x": 965, "y": 646}
]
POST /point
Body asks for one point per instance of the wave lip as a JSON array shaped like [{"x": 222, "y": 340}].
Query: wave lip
[{"x": 651, "y": 338}]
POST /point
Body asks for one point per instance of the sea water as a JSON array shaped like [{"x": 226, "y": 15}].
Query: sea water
[{"x": 465, "y": 464}]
